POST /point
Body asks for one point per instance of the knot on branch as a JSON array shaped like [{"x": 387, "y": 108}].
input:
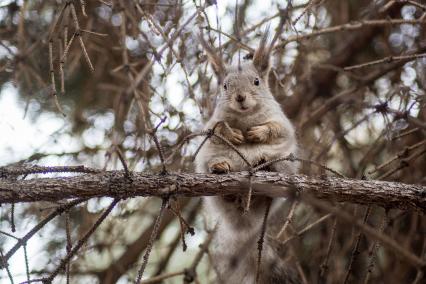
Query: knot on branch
[
  {"x": 404, "y": 163},
  {"x": 189, "y": 275},
  {"x": 404, "y": 153},
  {"x": 382, "y": 107},
  {"x": 210, "y": 133},
  {"x": 389, "y": 59},
  {"x": 191, "y": 231},
  {"x": 3, "y": 264}
]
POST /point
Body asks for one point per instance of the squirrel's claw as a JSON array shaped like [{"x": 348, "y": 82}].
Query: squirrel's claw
[
  {"x": 258, "y": 134},
  {"x": 220, "y": 168}
]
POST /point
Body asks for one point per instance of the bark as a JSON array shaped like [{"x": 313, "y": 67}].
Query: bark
[{"x": 116, "y": 184}]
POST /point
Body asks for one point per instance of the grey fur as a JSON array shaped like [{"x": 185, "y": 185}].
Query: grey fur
[{"x": 235, "y": 242}]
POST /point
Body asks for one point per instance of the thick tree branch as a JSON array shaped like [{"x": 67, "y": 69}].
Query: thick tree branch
[{"x": 116, "y": 184}]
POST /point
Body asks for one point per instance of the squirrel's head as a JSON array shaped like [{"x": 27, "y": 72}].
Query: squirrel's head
[{"x": 245, "y": 86}]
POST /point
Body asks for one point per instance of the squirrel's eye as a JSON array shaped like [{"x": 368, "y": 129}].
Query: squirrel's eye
[
  {"x": 256, "y": 81},
  {"x": 225, "y": 86}
]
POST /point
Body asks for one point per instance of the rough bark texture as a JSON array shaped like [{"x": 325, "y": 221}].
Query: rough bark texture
[{"x": 116, "y": 184}]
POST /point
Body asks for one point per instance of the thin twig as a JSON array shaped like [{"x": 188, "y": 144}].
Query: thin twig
[
  {"x": 349, "y": 27},
  {"x": 324, "y": 264},
  {"x": 22, "y": 241},
  {"x": 151, "y": 240},
  {"x": 159, "y": 278},
  {"x": 227, "y": 142},
  {"x": 52, "y": 79},
  {"x": 69, "y": 245},
  {"x": 5, "y": 265},
  {"x": 391, "y": 244},
  {"x": 374, "y": 248},
  {"x": 400, "y": 155},
  {"x": 27, "y": 265},
  {"x": 78, "y": 34},
  {"x": 261, "y": 240},
  {"x": 404, "y": 163},
  {"x": 355, "y": 251},
  {"x": 81, "y": 242},
  {"x": 288, "y": 220},
  {"x": 12, "y": 217},
  {"x": 153, "y": 134},
  {"x": 307, "y": 228},
  {"x": 123, "y": 162},
  {"x": 184, "y": 226},
  {"x": 249, "y": 194},
  {"x": 292, "y": 158},
  {"x": 141, "y": 75},
  {"x": 388, "y": 59},
  {"x": 411, "y": 131}
]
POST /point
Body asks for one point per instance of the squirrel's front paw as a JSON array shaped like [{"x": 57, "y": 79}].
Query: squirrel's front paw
[
  {"x": 258, "y": 134},
  {"x": 220, "y": 168},
  {"x": 235, "y": 136}
]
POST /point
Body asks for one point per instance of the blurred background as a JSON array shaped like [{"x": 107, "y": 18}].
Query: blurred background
[{"x": 81, "y": 79}]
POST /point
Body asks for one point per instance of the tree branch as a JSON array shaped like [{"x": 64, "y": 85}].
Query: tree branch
[{"x": 116, "y": 184}]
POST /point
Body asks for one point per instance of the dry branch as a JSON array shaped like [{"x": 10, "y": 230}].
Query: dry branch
[{"x": 115, "y": 184}]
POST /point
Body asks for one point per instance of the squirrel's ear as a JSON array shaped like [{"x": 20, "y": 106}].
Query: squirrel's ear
[
  {"x": 214, "y": 59},
  {"x": 261, "y": 57}
]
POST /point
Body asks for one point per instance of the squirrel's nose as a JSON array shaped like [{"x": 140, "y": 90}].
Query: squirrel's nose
[{"x": 240, "y": 98}]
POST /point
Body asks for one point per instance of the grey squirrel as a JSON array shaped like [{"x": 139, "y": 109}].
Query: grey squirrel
[{"x": 247, "y": 114}]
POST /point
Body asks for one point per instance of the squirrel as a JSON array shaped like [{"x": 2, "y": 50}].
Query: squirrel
[{"x": 248, "y": 116}]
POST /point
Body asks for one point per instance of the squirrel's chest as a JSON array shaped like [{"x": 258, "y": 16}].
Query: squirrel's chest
[{"x": 245, "y": 122}]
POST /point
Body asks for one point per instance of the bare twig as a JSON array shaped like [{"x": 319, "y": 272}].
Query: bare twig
[
  {"x": 355, "y": 251},
  {"x": 81, "y": 242},
  {"x": 387, "y": 59},
  {"x": 288, "y": 220},
  {"x": 5, "y": 265},
  {"x": 159, "y": 278},
  {"x": 400, "y": 155},
  {"x": 22, "y": 241},
  {"x": 324, "y": 264},
  {"x": 307, "y": 228},
  {"x": 153, "y": 133},
  {"x": 52, "y": 79},
  {"x": 69, "y": 245},
  {"x": 12, "y": 217},
  {"x": 123, "y": 161},
  {"x": 374, "y": 248},
  {"x": 369, "y": 231},
  {"x": 349, "y": 27},
  {"x": 78, "y": 34},
  {"x": 151, "y": 240},
  {"x": 261, "y": 240}
]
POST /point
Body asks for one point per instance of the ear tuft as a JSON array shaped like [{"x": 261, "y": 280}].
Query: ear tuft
[
  {"x": 261, "y": 57},
  {"x": 214, "y": 59}
]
